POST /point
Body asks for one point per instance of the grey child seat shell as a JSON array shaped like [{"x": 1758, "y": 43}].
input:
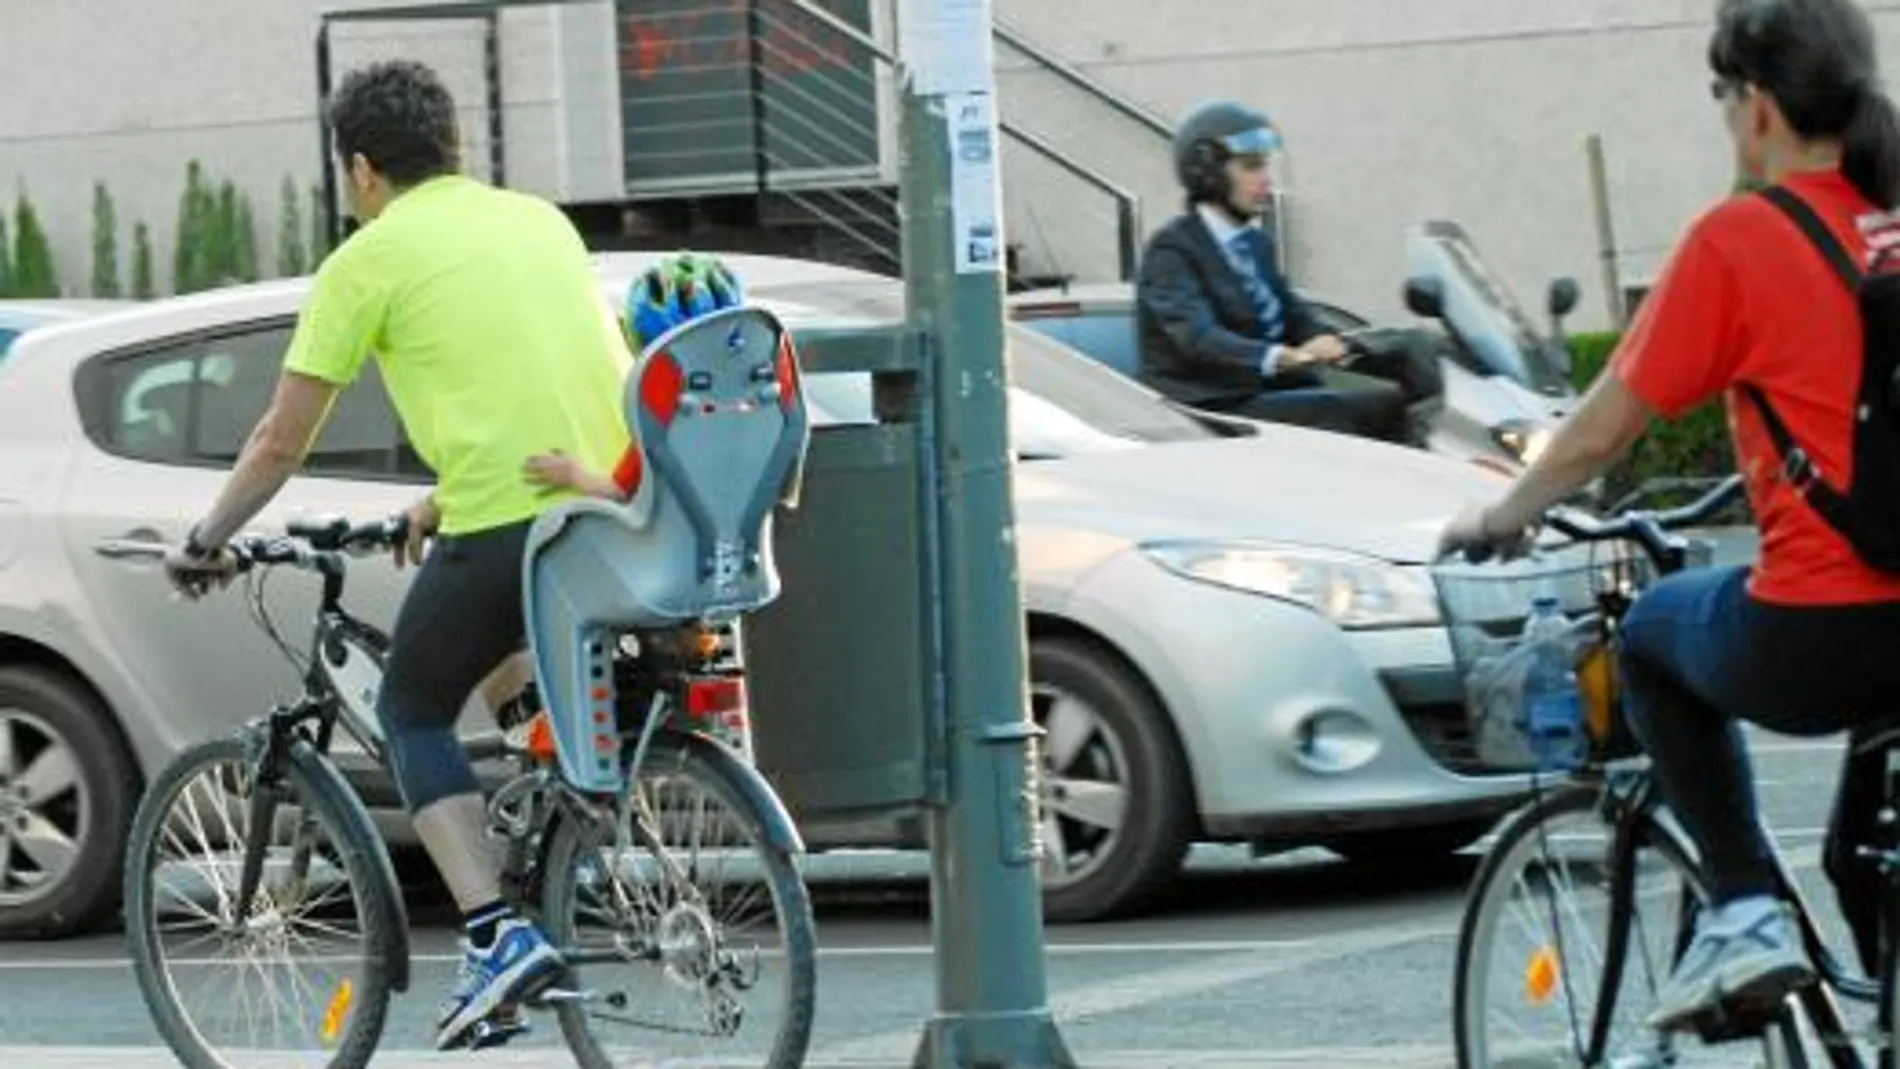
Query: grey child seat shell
[{"x": 717, "y": 407}]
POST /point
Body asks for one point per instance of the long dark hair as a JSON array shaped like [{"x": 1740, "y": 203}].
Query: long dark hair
[{"x": 1816, "y": 59}]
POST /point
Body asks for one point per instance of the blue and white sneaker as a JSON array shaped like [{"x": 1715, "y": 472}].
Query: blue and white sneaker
[{"x": 518, "y": 965}]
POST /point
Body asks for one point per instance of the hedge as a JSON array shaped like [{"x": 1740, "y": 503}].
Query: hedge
[{"x": 1694, "y": 446}]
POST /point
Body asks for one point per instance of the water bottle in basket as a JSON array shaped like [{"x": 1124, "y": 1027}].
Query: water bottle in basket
[{"x": 1553, "y": 701}]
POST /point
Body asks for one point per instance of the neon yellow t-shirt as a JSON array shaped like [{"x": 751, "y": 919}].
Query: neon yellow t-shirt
[{"x": 491, "y": 334}]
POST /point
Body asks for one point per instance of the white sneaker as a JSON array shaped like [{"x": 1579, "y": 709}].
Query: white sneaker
[{"x": 1760, "y": 963}]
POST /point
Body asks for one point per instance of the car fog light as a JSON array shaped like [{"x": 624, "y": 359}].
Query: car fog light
[{"x": 1334, "y": 741}]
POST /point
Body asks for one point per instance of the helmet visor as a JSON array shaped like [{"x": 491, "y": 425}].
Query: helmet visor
[{"x": 1259, "y": 141}]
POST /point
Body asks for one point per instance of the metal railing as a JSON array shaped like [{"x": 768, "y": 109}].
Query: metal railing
[
  {"x": 1068, "y": 72},
  {"x": 768, "y": 101},
  {"x": 1127, "y": 205}
]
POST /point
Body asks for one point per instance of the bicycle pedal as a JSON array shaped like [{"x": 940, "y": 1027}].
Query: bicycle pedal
[
  {"x": 1749, "y": 1016},
  {"x": 555, "y": 996},
  {"x": 493, "y": 1032}
]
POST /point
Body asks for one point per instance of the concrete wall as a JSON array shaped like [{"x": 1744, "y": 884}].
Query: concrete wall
[
  {"x": 128, "y": 91},
  {"x": 1397, "y": 111}
]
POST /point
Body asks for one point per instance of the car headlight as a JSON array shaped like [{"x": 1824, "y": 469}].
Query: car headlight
[
  {"x": 1524, "y": 440},
  {"x": 1355, "y": 592}
]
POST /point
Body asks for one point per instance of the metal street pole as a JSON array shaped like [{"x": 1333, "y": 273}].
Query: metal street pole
[{"x": 986, "y": 902}]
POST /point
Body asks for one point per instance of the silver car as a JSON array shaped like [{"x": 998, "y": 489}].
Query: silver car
[{"x": 1231, "y": 638}]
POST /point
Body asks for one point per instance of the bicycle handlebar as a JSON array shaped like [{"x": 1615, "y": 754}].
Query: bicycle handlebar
[
  {"x": 304, "y": 543},
  {"x": 1648, "y": 528},
  {"x": 1634, "y": 523}
]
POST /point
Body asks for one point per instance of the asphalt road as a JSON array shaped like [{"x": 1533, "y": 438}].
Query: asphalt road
[{"x": 1292, "y": 960}]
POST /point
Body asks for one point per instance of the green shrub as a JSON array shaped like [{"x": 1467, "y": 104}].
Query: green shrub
[
  {"x": 1694, "y": 446},
  {"x": 105, "y": 243},
  {"x": 6, "y": 259},
  {"x": 34, "y": 274},
  {"x": 217, "y": 234},
  {"x": 290, "y": 258},
  {"x": 143, "y": 286}
]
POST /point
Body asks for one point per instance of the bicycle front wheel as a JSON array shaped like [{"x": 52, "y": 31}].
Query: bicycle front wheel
[
  {"x": 1537, "y": 935},
  {"x": 299, "y": 980},
  {"x": 675, "y": 935}
]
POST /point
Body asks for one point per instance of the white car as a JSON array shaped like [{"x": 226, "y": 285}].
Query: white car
[{"x": 1230, "y": 638}]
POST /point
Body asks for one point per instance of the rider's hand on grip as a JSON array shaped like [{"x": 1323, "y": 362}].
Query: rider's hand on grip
[
  {"x": 1475, "y": 534},
  {"x": 419, "y": 524},
  {"x": 193, "y": 576}
]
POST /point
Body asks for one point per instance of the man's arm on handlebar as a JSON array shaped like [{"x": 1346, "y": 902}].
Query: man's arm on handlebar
[
  {"x": 272, "y": 454},
  {"x": 1170, "y": 289}
]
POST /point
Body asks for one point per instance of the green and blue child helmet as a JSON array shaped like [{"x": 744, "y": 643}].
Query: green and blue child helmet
[{"x": 679, "y": 288}]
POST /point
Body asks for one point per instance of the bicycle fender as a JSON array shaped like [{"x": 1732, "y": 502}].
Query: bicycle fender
[
  {"x": 353, "y": 812},
  {"x": 780, "y": 831}
]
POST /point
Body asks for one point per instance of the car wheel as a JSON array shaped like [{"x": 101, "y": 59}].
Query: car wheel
[
  {"x": 66, "y": 800},
  {"x": 1428, "y": 843},
  {"x": 1117, "y": 805}
]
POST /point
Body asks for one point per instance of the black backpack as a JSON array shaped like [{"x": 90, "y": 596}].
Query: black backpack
[{"x": 1866, "y": 513}]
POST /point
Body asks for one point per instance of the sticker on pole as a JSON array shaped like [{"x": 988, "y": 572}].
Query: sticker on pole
[
  {"x": 945, "y": 46},
  {"x": 975, "y": 221}
]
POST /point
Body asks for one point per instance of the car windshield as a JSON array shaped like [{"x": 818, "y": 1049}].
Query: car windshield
[
  {"x": 7, "y": 334},
  {"x": 1532, "y": 346},
  {"x": 1062, "y": 402}
]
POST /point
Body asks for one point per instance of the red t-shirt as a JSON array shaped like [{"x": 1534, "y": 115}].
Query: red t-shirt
[
  {"x": 1746, "y": 298},
  {"x": 627, "y": 472}
]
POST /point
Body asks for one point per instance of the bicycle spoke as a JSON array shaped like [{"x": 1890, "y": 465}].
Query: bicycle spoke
[
  {"x": 271, "y": 988},
  {"x": 690, "y": 925}
]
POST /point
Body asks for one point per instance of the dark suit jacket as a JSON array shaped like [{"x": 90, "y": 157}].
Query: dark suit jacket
[{"x": 1200, "y": 339}]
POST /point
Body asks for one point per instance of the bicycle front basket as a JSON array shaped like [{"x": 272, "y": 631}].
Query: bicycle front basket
[{"x": 1484, "y": 609}]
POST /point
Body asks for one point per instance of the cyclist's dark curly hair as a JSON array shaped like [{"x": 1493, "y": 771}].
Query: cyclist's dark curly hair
[
  {"x": 1816, "y": 58},
  {"x": 400, "y": 116}
]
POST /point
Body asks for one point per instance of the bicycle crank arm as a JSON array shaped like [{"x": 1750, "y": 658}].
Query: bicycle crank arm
[
  {"x": 560, "y": 996},
  {"x": 645, "y": 956}
]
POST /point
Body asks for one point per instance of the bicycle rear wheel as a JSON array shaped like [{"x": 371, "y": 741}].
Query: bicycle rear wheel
[
  {"x": 1536, "y": 936},
  {"x": 678, "y": 975},
  {"x": 320, "y": 900}
]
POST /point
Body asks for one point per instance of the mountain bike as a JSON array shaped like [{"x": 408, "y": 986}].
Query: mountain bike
[
  {"x": 1595, "y": 829},
  {"x": 257, "y": 847}
]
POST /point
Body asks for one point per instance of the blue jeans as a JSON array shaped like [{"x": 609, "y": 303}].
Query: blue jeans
[{"x": 1697, "y": 656}]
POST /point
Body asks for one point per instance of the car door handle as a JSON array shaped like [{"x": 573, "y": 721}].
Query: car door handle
[{"x": 129, "y": 548}]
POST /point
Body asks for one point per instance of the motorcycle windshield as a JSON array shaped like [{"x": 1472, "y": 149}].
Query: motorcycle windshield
[{"x": 1518, "y": 339}]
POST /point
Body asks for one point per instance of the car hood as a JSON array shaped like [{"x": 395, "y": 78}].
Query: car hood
[{"x": 1288, "y": 484}]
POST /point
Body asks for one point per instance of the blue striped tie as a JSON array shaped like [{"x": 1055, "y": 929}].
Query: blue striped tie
[{"x": 1248, "y": 246}]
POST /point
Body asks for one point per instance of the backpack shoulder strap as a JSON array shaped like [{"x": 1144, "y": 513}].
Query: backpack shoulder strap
[
  {"x": 1795, "y": 463},
  {"x": 1817, "y": 232}
]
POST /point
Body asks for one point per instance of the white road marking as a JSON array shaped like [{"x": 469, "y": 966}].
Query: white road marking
[
  {"x": 920, "y": 950},
  {"x": 1161, "y": 985},
  {"x": 1410, "y": 1057}
]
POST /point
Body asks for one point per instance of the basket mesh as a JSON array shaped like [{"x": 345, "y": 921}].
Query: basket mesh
[{"x": 1484, "y": 608}]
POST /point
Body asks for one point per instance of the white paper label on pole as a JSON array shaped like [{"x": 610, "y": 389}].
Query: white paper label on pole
[
  {"x": 945, "y": 46},
  {"x": 975, "y": 221}
]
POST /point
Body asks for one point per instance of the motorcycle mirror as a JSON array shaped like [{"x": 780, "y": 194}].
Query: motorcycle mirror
[
  {"x": 1425, "y": 296},
  {"x": 1563, "y": 296}
]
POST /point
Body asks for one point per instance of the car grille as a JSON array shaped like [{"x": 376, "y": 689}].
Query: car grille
[
  {"x": 1441, "y": 728},
  {"x": 1429, "y": 703}
]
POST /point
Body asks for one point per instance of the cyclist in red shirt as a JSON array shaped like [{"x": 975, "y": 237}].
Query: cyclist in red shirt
[{"x": 1803, "y": 641}]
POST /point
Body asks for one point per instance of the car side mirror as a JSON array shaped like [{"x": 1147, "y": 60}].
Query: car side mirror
[
  {"x": 1563, "y": 296},
  {"x": 1425, "y": 296}
]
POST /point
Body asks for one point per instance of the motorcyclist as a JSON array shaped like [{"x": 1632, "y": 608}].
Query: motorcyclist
[{"x": 1219, "y": 327}]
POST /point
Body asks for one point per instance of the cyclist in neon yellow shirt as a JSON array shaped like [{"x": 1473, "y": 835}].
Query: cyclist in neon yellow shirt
[{"x": 483, "y": 314}]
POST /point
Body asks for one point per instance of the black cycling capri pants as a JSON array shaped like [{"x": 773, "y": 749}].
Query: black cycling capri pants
[{"x": 461, "y": 618}]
